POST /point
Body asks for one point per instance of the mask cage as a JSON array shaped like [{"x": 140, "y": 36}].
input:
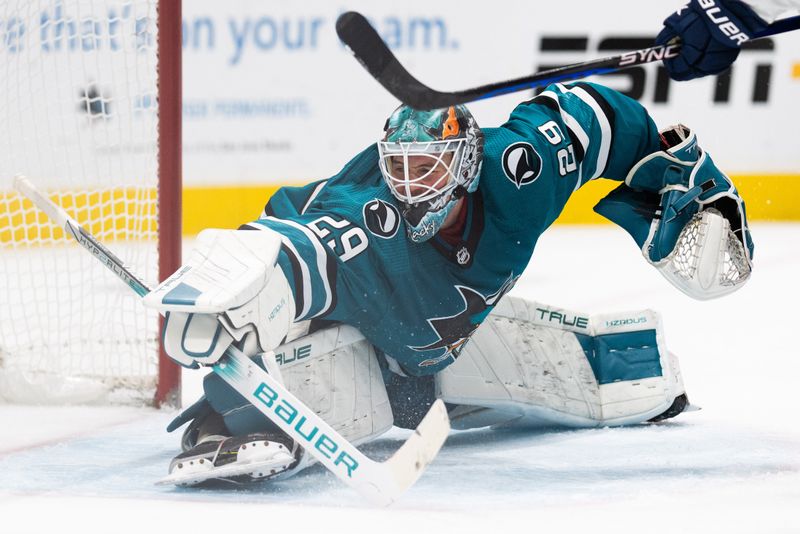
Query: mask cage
[{"x": 415, "y": 189}]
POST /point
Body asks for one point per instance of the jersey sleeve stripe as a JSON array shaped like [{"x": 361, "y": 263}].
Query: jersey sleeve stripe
[
  {"x": 292, "y": 254},
  {"x": 574, "y": 129},
  {"x": 605, "y": 120},
  {"x": 571, "y": 122},
  {"x": 322, "y": 263},
  {"x": 300, "y": 283},
  {"x": 548, "y": 102},
  {"x": 579, "y": 153},
  {"x": 314, "y": 194}
]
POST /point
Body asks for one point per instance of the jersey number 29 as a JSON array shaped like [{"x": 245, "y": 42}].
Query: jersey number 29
[
  {"x": 566, "y": 155},
  {"x": 344, "y": 239}
]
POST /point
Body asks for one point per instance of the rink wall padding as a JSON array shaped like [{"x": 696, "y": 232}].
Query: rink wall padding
[
  {"x": 767, "y": 197},
  {"x": 111, "y": 213}
]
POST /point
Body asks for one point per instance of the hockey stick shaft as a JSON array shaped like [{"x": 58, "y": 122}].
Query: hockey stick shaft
[
  {"x": 380, "y": 482},
  {"x": 84, "y": 238},
  {"x": 374, "y": 55}
]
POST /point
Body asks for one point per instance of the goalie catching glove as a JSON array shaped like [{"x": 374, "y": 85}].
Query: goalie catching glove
[
  {"x": 230, "y": 291},
  {"x": 686, "y": 216}
]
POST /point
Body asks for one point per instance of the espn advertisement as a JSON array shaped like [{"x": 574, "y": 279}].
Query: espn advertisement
[{"x": 271, "y": 95}]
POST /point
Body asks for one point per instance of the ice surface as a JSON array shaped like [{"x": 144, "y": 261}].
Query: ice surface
[{"x": 732, "y": 467}]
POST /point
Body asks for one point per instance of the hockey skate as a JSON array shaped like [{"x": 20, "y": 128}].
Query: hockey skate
[
  {"x": 236, "y": 460},
  {"x": 210, "y": 455}
]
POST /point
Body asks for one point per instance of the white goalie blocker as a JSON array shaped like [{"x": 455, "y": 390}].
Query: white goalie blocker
[
  {"x": 229, "y": 288},
  {"x": 537, "y": 365}
]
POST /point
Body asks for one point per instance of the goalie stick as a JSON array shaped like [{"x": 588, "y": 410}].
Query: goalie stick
[
  {"x": 380, "y": 482},
  {"x": 371, "y": 51}
]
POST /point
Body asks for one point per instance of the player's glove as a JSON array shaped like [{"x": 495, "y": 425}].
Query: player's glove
[
  {"x": 686, "y": 216},
  {"x": 230, "y": 291},
  {"x": 710, "y": 32}
]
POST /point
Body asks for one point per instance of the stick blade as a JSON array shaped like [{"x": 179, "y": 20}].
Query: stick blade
[
  {"x": 371, "y": 51},
  {"x": 26, "y": 188},
  {"x": 411, "y": 460},
  {"x": 357, "y": 33}
]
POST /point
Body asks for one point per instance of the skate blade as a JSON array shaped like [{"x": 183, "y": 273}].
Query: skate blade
[
  {"x": 257, "y": 469},
  {"x": 692, "y": 408}
]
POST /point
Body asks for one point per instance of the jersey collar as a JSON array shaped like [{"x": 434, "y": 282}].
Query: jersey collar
[{"x": 461, "y": 251}]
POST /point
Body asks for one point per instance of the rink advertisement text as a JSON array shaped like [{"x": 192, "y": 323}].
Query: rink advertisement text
[
  {"x": 259, "y": 76},
  {"x": 313, "y": 436}
]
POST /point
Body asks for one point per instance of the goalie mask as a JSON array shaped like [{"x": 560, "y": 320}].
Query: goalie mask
[{"x": 429, "y": 160}]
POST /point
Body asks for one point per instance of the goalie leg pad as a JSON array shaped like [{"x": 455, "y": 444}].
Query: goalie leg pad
[
  {"x": 333, "y": 371},
  {"x": 547, "y": 366}
]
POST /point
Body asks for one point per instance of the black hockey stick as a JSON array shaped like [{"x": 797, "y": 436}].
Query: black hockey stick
[{"x": 369, "y": 49}]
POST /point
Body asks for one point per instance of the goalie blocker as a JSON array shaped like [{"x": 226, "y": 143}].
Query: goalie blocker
[
  {"x": 229, "y": 291},
  {"x": 528, "y": 364}
]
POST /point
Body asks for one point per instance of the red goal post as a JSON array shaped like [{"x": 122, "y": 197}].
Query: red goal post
[{"x": 169, "y": 175}]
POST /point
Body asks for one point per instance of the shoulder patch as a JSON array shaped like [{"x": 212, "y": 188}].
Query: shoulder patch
[
  {"x": 521, "y": 163},
  {"x": 381, "y": 218}
]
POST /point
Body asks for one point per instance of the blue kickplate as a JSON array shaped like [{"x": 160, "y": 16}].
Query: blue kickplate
[{"x": 621, "y": 357}]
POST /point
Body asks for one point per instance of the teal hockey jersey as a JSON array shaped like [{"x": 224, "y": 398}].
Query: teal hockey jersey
[{"x": 348, "y": 259}]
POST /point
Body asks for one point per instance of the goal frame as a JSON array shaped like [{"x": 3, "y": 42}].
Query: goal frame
[{"x": 170, "y": 178}]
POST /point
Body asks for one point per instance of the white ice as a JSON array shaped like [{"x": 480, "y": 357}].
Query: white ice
[{"x": 732, "y": 467}]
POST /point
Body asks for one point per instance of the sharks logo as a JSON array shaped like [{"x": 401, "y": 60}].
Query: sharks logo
[
  {"x": 454, "y": 331},
  {"x": 521, "y": 164},
  {"x": 381, "y": 218}
]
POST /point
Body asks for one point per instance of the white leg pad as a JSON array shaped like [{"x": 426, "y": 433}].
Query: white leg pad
[
  {"x": 531, "y": 363},
  {"x": 335, "y": 373}
]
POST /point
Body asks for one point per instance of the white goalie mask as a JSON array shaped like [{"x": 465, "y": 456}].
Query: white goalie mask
[{"x": 429, "y": 160}]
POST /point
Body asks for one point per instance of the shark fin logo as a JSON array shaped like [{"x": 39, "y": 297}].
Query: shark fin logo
[
  {"x": 521, "y": 164},
  {"x": 455, "y": 330}
]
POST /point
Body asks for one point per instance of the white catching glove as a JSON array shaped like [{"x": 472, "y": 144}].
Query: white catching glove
[
  {"x": 230, "y": 290},
  {"x": 686, "y": 216}
]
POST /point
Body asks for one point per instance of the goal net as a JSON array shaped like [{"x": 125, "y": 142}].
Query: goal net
[{"x": 79, "y": 115}]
